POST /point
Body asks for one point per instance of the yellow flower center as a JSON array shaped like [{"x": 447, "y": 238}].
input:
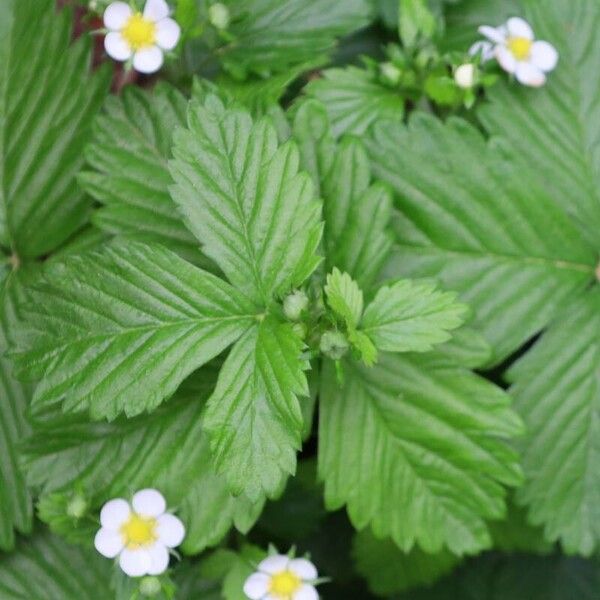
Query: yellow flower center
[
  {"x": 139, "y": 32},
  {"x": 284, "y": 585},
  {"x": 520, "y": 47},
  {"x": 139, "y": 531}
]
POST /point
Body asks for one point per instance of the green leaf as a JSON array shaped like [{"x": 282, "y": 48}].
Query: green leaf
[
  {"x": 118, "y": 330},
  {"x": 388, "y": 570},
  {"x": 344, "y": 297},
  {"x": 271, "y": 35},
  {"x": 312, "y": 132},
  {"x": 357, "y": 215},
  {"x": 557, "y": 392},
  {"x": 130, "y": 178},
  {"x": 415, "y": 446},
  {"x": 167, "y": 450},
  {"x": 355, "y": 99},
  {"x": 46, "y": 568},
  {"x": 550, "y": 132},
  {"x": 481, "y": 225},
  {"x": 254, "y": 417},
  {"x": 518, "y": 577},
  {"x": 243, "y": 197},
  {"x": 15, "y": 503},
  {"x": 40, "y": 203},
  {"x": 415, "y": 21},
  {"x": 515, "y": 534},
  {"x": 411, "y": 316}
]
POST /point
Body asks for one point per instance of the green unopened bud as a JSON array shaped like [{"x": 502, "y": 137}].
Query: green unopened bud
[
  {"x": 465, "y": 75},
  {"x": 295, "y": 304},
  {"x": 390, "y": 73},
  {"x": 334, "y": 344},
  {"x": 77, "y": 507},
  {"x": 218, "y": 15},
  {"x": 299, "y": 329},
  {"x": 150, "y": 586}
]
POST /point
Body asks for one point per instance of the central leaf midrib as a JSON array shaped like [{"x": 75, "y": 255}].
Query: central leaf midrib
[{"x": 554, "y": 264}]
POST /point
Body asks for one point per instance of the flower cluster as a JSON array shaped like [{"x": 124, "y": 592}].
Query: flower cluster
[
  {"x": 280, "y": 577},
  {"x": 140, "y": 38},
  {"x": 517, "y": 51},
  {"x": 140, "y": 534}
]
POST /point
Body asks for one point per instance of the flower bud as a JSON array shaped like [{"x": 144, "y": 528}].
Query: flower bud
[
  {"x": 334, "y": 344},
  {"x": 464, "y": 76},
  {"x": 295, "y": 304},
  {"x": 150, "y": 587},
  {"x": 77, "y": 507},
  {"x": 390, "y": 73},
  {"x": 218, "y": 15}
]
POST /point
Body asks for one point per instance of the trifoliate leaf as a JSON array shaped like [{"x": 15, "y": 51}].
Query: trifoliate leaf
[
  {"x": 15, "y": 503},
  {"x": 355, "y": 99},
  {"x": 344, "y": 297},
  {"x": 118, "y": 330},
  {"x": 411, "y": 316},
  {"x": 415, "y": 446},
  {"x": 167, "y": 450},
  {"x": 357, "y": 215},
  {"x": 244, "y": 199},
  {"x": 46, "y": 568},
  {"x": 254, "y": 417},
  {"x": 131, "y": 179},
  {"x": 271, "y": 35},
  {"x": 549, "y": 132},
  {"x": 481, "y": 225},
  {"x": 45, "y": 122},
  {"x": 388, "y": 570},
  {"x": 557, "y": 392}
]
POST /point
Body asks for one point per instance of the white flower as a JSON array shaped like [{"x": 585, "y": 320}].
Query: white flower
[
  {"x": 140, "y": 534},
  {"x": 517, "y": 51},
  {"x": 142, "y": 37},
  {"x": 280, "y": 577},
  {"x": 464, "y": 76}
]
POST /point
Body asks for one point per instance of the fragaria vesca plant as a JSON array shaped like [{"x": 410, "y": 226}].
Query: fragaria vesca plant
[{"x": 299, "y": 299}]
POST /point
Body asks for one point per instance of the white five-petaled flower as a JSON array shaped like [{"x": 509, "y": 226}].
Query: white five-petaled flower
[
  {"x": 517, "y": 51},
  {"x": 280, "y": 577},
  {"x": 140, "y": 37},
  {"x": 140, "y": 534}
]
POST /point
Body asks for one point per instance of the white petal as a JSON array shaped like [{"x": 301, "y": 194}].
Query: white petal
[
  {"x": 149, "y": 60},
  {"x": 155, "y": 10},
  {"x": 256, "y": 586},
  {"x": 274, "y": 564},
  {"x": 170, "y": 530},
  {"x": 149, "y": 502},
  {"x": 506, "y": 59},
  {"x": 108, "y": 542},
  {"x": 135, "y": 563},
  {"x": 114, "y": 513},
  {"x": 116, "y": 15},
  {"x": 544, "y": 56},
  {"x": 530, "y": 75},
  {"x": 167, "y": 34},
  {"x": 303, "y": 568},
  {"x": 306, "y": 592},
  {"x": 159, "y": 559},
  {"x": 485, "y": 48},
  {"x": 518, "y": 27},
  {"x": 494, "y": 34},
  {"x": 117, "y": 47}
]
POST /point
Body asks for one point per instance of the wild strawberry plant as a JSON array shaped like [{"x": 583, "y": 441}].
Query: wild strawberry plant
[{"x": 304, "y": 305}]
